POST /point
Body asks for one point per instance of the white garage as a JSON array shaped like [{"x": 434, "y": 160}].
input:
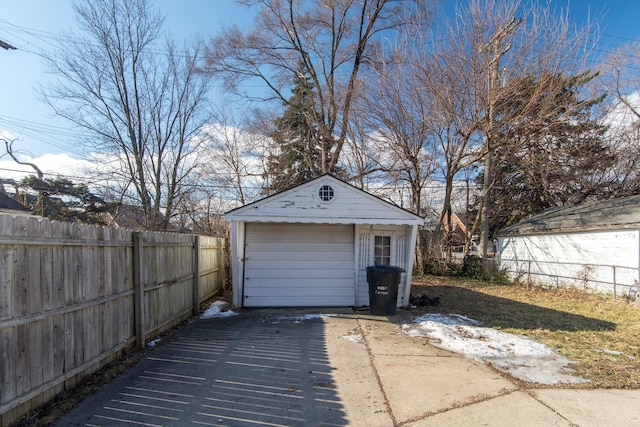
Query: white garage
[
  {"x": 595, "y": 246},
  {"x": 310, "y": 246}
]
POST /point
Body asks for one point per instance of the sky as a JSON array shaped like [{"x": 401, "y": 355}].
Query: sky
[{"x": 30, "y": 24}]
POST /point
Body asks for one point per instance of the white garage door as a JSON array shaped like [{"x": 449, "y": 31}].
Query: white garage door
[{"x": 289, "y": 265}]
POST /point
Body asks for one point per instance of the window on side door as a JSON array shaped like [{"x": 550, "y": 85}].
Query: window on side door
[{"x": 382, "y": 250}]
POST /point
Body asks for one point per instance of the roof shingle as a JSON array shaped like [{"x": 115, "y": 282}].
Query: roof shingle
[{"x": 606, "y": 214}]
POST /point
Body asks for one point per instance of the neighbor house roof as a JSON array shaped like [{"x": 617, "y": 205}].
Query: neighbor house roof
[
  {"x": 7, "y": 204},
  {"x": 344, "y": 204},
  {"x": 621, "y": 213},
  {"x": 131, "y": 217}
]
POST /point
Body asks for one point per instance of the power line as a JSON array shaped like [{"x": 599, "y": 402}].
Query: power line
[{"x": 51, "y": 135}]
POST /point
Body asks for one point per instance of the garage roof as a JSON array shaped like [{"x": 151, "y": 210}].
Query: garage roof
[
  {"x": 325, "y": 199},
  {"x": 603, "y": 215}
]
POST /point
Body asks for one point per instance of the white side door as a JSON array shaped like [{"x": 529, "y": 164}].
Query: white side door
[{"x": 378, "y": 245}]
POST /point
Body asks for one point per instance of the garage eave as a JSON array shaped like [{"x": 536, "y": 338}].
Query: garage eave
[
  {"x": 307, "y": 204},
  {"x": 346, "y": 221}
]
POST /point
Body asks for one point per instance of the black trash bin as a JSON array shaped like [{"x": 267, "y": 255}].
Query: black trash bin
[{"x": 383, "y": 283}]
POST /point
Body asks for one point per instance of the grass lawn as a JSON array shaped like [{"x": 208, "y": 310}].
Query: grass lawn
[{"x": 601, "y": 335}]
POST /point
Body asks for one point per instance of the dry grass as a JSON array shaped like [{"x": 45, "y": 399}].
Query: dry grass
[{"x": 601, "y": 335}]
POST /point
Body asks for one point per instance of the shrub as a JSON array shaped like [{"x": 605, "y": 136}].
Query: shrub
[{"x": 476, "y": 268}]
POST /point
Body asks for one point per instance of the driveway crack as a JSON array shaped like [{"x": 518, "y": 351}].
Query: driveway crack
[
  {"x": 469, "y": 402},
  {"x": 376, "y": 373}
]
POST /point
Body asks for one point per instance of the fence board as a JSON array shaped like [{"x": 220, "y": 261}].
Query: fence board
[
  {"x": 7, "y": 273},
  {"x": 78, "y": 338},
  {"x": 59, "y": 337},
  {"x": 22, "y": 368},
  {"x": 46, "y": 267},
  {"x": 75, "y": 262},
  {"x": 8, "y": 391},
  {"x": 21, "y": 271},
  {"x": 34, "y": 290},
  {"x": 67, "y": 254},
  {"x": 88, "y": 263},
  {"x": 91, "y": 333},
  {"x": 35, "y": 349},
  {"x": 57, "y": 266},
  {"x": 105, "y": 264},
  {"x": 48, "y": 337},
  {"x": 196, "y": 278},
  {"x": 69, "y": 341}
]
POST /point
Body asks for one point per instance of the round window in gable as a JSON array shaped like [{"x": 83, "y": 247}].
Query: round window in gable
[{"x": 325, "y": 193}]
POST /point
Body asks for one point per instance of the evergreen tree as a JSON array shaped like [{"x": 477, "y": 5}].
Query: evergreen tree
[
  {"x": 65, "y": 200},
  {"x": 547, "y": 159},
  {"x": 298, "y": 156}
]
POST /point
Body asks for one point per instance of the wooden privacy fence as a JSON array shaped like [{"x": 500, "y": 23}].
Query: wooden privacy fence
[{"x": 73, "y": 297}]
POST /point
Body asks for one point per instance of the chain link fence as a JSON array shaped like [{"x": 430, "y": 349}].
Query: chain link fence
[{"x": 613, "y": 279}]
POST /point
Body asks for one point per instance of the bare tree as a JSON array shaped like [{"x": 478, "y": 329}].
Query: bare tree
[
  {"x": 467, "y": 65},
  {"x": 360, "y": 160},
  {"x": 135, "y": 98},
  {"x": 620, "y": 79},
  {"x": 396, "y": 109},
  {"x": 203, "y": 212},
  {"x": 40, "y": 207},
  {"x": 329, "y": 40},
  {"x": 401, "y": 137},
  {"x": 236, "y": 159}
]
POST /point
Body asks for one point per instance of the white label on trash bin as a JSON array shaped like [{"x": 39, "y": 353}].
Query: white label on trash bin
[{"x": 381, "y": 290}]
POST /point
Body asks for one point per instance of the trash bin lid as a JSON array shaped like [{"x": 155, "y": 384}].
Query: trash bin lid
[{"x": 386, "y": 269}]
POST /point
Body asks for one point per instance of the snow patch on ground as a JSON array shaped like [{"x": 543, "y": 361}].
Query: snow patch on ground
[
  {"x": 218, "y": 309},
  {"x": 300, "y": 318},
  {"x": 516, "y": 355},
  {"x": 355, "y": 338}
]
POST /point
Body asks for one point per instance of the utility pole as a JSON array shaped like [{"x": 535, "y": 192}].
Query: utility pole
[{"x": 495, "y": 44}]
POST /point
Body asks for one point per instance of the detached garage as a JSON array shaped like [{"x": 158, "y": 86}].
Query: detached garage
[
  {"x": 310, "y": 246},
  {"x": 595, "y": 246}
]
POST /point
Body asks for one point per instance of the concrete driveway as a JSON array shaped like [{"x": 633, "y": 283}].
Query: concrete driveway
[{"x": 274, "y": 368}]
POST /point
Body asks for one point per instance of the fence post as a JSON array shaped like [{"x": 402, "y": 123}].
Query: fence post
[
  {"x": 614, "y": 283},
  {"x": 138, "y": 286},
  {"x": 196, "y": 275}
]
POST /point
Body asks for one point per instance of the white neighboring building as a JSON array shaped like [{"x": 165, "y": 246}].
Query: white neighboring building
[
  {"x": 592, "y": 245},
  {"x": 310, "y": 246}
]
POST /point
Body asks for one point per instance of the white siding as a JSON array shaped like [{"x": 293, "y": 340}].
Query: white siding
[
  {"x": 303, "y": 204},
  {"x": 298, "y": 265},
  {"x": 401, "y": 251},
  {"x": 563, "y": 256}
]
